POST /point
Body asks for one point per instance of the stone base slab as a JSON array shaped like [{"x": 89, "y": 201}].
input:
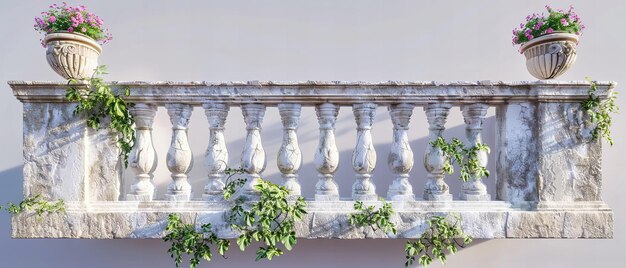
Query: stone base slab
[{"x": 325, "y": 219}]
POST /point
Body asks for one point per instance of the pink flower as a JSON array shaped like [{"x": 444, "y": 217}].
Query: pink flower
[
  {"x": 83, "y": 29},
  {"x": 564, "y": 22},
  {"x": 549, "y": 30},
  {"x": 70, "y": 29},
  {"x": 530, "y": 37},
  {"x": 52, "y": 19}
]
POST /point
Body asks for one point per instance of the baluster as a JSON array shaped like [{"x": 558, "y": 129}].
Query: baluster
[
  {"x": 253, "y": 155},
  {"x": 326, "y": 155},
  {"x": 364, "y": 155},
  {"x": 179, "y": 157},
  {"x": 436, "y": 188},
  {"x": 400, "y": 158},
  {"x": 216, "y": 155},
  {"x": 289, "y": 156},
  {"x": 474, "y": 114},
  {"x": 142, "y": 159}
]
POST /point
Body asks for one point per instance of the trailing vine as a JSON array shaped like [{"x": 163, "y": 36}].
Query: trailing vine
[
  {"x": 600, "y": 112},
  {"x": 186, "y": 240},
  {"x": 99, "y": 102},
  {"x": 270, "y": 220},
  {"x": 376, "y": 219},
  {"x": 441, "y": 236},
  {"x": 465, "y": 157},
  {"x": 37, "y": 204}
]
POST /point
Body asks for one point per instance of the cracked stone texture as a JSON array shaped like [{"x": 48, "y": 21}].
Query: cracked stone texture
[
  {"x": 569, "y": 161},
  {"x": 478, "y": 223},
  {"x": 544, "y": 155},
  {"x": 53, "y": 151},
  {"x": 59, "y": 149},
  {"x": 517, "y": 163}
]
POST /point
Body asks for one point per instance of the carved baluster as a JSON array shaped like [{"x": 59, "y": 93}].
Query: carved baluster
[
  {"x": 326, "y": 155},
  {"x": 216, "y": 155},
  {"x": 364, "y": 155},
  {"x": 289, "y": 155},
  {"x": 400, "y": 158},
  {"x": 436, "y": 188},
  {"x": 474, "y": 114},
  {"x": 143, "y": 159},
  {"x": 179, "y": 157},
  {"x": 253, "y": 155}
]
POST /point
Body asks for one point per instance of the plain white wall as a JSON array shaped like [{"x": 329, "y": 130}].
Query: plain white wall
[{"x": 311, "y": 40}]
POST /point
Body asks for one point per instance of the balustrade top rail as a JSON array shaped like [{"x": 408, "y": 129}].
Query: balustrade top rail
[{"x": 338, "y": 92}]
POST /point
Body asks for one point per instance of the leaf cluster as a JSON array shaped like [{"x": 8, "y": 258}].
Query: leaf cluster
[
  {"x": 37, "y": 204},
  {"x": 270, "y": 220},
  {"x": 98, "y": 102},
  {"x": 441, "y": 236},
  {"x": 186, "y": 240},
  {"x": 556, "y": 21},
  {"x": 375, "y": 218},
  {"x": 466, "y": 157},
  {"x": 600, "y": 112}
]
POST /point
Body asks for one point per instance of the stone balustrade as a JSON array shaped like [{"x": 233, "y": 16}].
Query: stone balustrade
[{"x": 548, "y": 170}]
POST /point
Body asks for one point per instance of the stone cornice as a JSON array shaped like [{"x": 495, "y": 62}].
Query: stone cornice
[{"x": 338, "y": 92}]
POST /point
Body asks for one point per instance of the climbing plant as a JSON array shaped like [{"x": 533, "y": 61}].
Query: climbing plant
[
  {"x": 375, "y": 218},
  {"x": 465, "y": 157},
  {"x": 186, "y": 240},
  {"x": 270, "y": 219},
  {"x": 97, "y": 102},
  {"x": 600, "y": 112},
  {"x": 439, "y": 238},
  {"x": 37, "y": 204}
]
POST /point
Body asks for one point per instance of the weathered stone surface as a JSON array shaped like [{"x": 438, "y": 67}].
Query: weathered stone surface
[
  {"x": 548, "y": 173},
  {"x": 517, "y": 163},
  {"x": 560, "y": 224},
  {"x": 106, "y": 220},
  {"x": 54, "y": 151},
  {"x": 569, "y": 161},
  {"x": 103, "y": 164}
]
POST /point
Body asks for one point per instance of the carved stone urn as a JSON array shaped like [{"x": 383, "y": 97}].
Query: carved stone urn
[
  {"x": 550, "y": 55},
  {"x": 72, "y": 55}
]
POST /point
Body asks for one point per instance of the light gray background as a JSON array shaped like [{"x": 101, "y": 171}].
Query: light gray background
[{"x": 311, "y": 40}]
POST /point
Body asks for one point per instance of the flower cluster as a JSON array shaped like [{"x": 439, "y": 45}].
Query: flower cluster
[
  {"x": 64, "y": 18},
  {"x": 557, "y": 21}
]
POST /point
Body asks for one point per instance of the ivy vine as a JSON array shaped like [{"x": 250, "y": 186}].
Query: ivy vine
[
  {"x": 370, "y": 216},
  {"x": 465, "y": 157},
  {"x": 441, "y": 236},
  {"x": 186, "y": 240},
  {"x": 37, "y": 204},
  {"x": 270, "y": 220},
  {"x": 600, "y": 112},
  {"x": 98, "y": 102}
]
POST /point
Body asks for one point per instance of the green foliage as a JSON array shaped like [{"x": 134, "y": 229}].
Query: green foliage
[
  {"x": 98, "y": 102},
  {"x": 186, "y": 240},
  {"x": 232, "y": 184},
  {"x": 270, "y": 220},
  {"x": 370, "y": 216},
  {"x": 465, "y": 157},
  {"x": 556, "y": 21},
  {"x": 441, "y": 236},
  {"x": 600, "y": 112},
  {"x": 37, "y": 204}
]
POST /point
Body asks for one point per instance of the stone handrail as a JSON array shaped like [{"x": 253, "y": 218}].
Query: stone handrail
[{"x": 548, "y": 172}]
